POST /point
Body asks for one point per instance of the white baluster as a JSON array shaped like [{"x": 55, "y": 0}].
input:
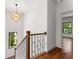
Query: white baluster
[
  {"x": 34, "y": 47},
  {"x": 43, "y": 46},
  {"x": 38, "y": 44},
  {"x": 45, "y": 43},
  {"x": 31, "y": 46},
  {"x": 41, "y": 43}
]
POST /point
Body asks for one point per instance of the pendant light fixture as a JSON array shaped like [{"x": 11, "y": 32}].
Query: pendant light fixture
[{"x": 16, "y": 16}]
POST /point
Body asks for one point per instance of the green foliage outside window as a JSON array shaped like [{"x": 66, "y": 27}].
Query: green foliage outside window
[
  {"x": 67, "y": 28},
  {"x": 12, "y": 39}
]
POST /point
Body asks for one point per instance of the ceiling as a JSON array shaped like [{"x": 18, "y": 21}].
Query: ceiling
[
  {"x": 10, "y": 5},
  {"x": 23, "y": 5}
]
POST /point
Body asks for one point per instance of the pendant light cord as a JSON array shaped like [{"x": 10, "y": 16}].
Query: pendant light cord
[
  {"x": 16, "y": 7},
  {"x": 16, "y": 24}
]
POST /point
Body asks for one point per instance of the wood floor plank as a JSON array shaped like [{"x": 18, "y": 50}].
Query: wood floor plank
[{"x": 56, "y": 54}]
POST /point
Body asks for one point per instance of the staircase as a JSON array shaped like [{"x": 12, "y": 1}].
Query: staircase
[{"x": 33, "y": 45}]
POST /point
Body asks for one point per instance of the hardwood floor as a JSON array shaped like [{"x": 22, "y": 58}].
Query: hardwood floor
[{"x": 55, "y": 54}]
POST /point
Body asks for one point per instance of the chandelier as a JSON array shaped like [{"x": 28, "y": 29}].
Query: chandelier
[{"x": 16, "y": 16}]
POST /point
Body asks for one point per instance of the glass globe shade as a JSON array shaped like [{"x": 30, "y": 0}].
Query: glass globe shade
[{"x": 16, "y": 17}]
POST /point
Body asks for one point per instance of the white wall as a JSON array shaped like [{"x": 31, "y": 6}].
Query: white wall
[
  {"x": 21, "y": 51},
  {"x": 36, "y": 17},
  {"x": 65, "y": 6},
  {"x": 11, "y": 26},
  {"x": 51, "y": 24},
  {"x": 58, "y": 25},
  {"x": 41, "y": 18}
]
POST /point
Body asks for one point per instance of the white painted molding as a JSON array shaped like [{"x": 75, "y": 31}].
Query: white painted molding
[
  {"x": 68, "y": 35},
  {"x": 67, "y": 14},
  {"x": 59, "y": 1}
]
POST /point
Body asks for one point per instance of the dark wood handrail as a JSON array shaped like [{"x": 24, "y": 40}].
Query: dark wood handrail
[
  {"x": 21, "y": 42},
  {"x": 39, "y": 33}
]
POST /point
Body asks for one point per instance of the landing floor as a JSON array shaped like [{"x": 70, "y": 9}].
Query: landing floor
[{"x": 56, "y": 54}]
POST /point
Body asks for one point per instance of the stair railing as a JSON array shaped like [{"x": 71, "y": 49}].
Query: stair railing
[
  {"x": 38, "y": 44},
  {"x": 35, "y": 44}
]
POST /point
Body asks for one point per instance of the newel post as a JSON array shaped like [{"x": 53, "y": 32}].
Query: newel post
[{"x": 28, "y": 45}]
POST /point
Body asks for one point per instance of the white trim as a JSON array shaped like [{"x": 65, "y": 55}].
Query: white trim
[{"x": 67, "y": 14}]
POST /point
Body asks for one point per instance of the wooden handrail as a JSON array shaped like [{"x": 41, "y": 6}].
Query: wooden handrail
[
  {"x": 39, "y": 33},
  {"x": 21, "y": 42}
]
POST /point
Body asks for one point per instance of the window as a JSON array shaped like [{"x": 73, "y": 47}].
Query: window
[
  {"x": 67, "y": 27},
  {"x": 12, "y": 39}
]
